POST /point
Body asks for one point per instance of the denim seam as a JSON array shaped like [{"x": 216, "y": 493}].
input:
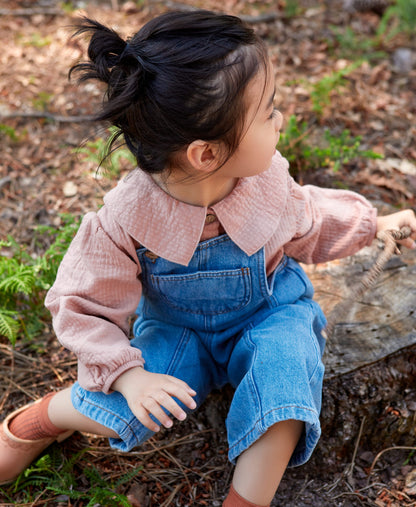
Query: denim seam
[
  {"x": 244, "y": 303},
  {"x": 203, "y": 245},
  {"x": 261, "y": 275},
  {"x": 273, "y": 301},
  {"x": 114, "y": 414},
  {"x": 186, "y": 335},
  {"x": 252, "y": 383},
  {"x": 195, "y": 276},
  {"x": 246, "y": 278},
  {"x": 257, "y": 425},
  {"x": 315, "y": 344}
]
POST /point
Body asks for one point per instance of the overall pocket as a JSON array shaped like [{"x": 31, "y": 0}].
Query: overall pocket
[{"x": 204, "y": 292}]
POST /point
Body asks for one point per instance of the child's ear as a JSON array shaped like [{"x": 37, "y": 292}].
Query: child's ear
[{"x": 203, "y": 155}]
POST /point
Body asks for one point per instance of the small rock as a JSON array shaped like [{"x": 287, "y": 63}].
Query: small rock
[
  {"x": 403, "y": 60},
  {"x": 137, "y": 495},
  {"x": 410, "y": 482},
  {"x": 129, "y": 8},
  {"x": 70, "y": 189}
]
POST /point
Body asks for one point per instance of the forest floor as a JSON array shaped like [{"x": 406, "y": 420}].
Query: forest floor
[{"x": 43, "y": 121}]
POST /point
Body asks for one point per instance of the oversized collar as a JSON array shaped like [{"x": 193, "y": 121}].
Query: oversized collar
[{"x": 172, "y": 229}]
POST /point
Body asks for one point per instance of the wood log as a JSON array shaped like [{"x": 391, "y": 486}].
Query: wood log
[
  {"x": 371, "y": 357},
  {"x": 381, "y": 323}
]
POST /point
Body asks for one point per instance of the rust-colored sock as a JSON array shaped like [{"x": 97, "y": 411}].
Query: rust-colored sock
[
  {"x": 235, "y": 500},
  {"x": 34, "y": 423}
]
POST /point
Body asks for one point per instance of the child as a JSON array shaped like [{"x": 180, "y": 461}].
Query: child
[{"x": 202, "y": 241}]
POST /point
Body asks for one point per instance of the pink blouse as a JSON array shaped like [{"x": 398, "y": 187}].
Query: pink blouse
[{"x": 98, "y": 287}]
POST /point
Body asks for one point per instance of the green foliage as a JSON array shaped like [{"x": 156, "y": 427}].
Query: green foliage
[
  {"x": 354, "y": 46},
  {"x": 322, "y": 89},
  {"x": 334, "y": 151},
  {"x": 291, "y": 8},
  {"x": 292, "y": 142},
  {"x": 68, "y": 7},
  {"x": 24, "y": 279},
  {"x": 35, "y": 39},
  {"x": 42, "y": 100},
  {"x": 10, "y": 132},
  {"x": 53, "y": 473},
  {"x": 38, "y": 41},
  {"x": 97, "y": 151},
  {"x": 399, "y": 17},
  {"x": 340, "y": 149}
]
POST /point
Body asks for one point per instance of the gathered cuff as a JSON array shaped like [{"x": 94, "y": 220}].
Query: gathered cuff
[{"x": 102, "y": 377}]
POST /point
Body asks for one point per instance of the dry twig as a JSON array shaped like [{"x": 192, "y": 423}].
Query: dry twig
[
  {"x": 398, "y": 447},
  {"x": 389, "y": 239}
]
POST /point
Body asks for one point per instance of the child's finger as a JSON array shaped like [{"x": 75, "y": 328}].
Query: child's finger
[
  {"x": 408, "y": 243},
  {"x": 184, "y": 385},
  {"x": 182, "y": 396},
  {"x": 162, "y": 399},
  {"x": 143, "y": 416},
  {"x": 154, "y": 408}
]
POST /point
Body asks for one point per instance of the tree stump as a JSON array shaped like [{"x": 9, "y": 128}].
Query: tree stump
[{"x": 371, "y": 356}]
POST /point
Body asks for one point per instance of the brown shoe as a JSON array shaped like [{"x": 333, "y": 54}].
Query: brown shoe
[{"x": 17, "y": 454}]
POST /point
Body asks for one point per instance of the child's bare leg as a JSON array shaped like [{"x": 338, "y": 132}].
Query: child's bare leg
[
  {"x": 260, "y": 468},
  {"x": 62, "y": 414}
]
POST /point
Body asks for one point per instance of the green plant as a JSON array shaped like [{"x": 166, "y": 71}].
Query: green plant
[
  {"x": 68, "y": 7},
  {"x": 291, "y": 8},
  {"x": 340, "y": 149},
  {"x": 399, "y": 17},
  {"x": 97, "y": 151},
  {"x": 322, "y": 89},
  {"x": 292, "y": 142},
  {"x": 348, "y": 44},
  {"x": 41, "y": 101},
  {"x": 53, "y": 473},
  {"x": 25, "y": 278},
  {"x": 10, "y": 132},
  {"x": 332, "y": 151},
  {"x": 34, "y": 39},
  {"x": 100, "y": 491},
  {"x": 38, "y": 41}
]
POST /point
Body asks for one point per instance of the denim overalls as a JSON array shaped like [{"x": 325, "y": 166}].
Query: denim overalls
[{"x": 222, "y": 320}]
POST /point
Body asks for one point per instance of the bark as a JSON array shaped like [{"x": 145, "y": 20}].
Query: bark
[{"x": 371, "y": 357}]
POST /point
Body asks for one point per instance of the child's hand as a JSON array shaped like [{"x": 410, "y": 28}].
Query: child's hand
[
  {"x": 397, "y": 221},
  {"x": 146, "y": 393}
]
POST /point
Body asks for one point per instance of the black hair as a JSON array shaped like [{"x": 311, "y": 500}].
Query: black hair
[{"x": 180, "y": 78}]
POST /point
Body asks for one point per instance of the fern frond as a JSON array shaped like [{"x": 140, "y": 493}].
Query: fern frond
[
  {"x": 128, "y": 476},
  {"x": 99, "y": 496},
  {"x": 22, "y": 280},
  {"x": 71, "y": 493},
  {"x": 9, "y": 327},
  {"x": 93, "y": 475}
]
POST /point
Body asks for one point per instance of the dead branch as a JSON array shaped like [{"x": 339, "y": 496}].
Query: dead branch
[
  {"x": 48, "y": 116},
  {"x": 30, "y": 12}
]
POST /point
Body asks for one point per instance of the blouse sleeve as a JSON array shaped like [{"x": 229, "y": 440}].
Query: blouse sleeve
[
  {"x": 96, "y": 291},
  {"x": 330, "y": 224}
]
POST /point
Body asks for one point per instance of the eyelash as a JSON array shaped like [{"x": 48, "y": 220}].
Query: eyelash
[{"x": 273, "y": 114}]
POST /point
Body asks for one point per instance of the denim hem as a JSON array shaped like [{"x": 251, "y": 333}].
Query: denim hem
[
  {"x": 130, "y": 434},
  {"x": 306, "y": 444}
]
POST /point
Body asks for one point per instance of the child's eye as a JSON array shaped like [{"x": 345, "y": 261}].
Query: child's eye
[{"x": 273, "y": 114}]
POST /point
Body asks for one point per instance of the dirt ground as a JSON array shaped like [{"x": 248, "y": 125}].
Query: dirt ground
[{"x": 44, "y": 118}]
